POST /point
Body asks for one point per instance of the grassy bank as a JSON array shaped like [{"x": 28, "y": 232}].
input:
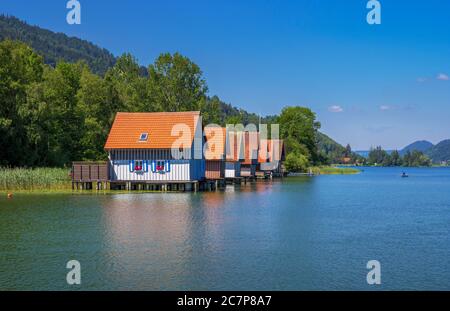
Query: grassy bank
[
  {"x": 38, "y": 179},
  {"x": 331, "y": 170}
]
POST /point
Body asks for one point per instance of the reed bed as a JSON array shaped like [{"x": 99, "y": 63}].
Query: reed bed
[
  {"x": 331, "y": 170},
  {"x": 36, "y": 179}
]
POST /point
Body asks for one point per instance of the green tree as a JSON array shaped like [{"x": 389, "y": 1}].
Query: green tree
[
  {"x": 387, "y": 160},
  {"x": 237, "y": 119},
  {"x": 348, "y": 151},
  {"x": 298, "y": 126},
  {"x": 176, "y": 83},
  {"x": 378, "y": 156},
  {"x": 20, "y": 67},
  {"x": 396, "y": 158},
  {"x": 416, "y": 158},
  {"x": 131, "y": 87},
  {"x": 66, "y": 128},
  {"x": 296, "y": 162},
  {"x": 36, "y": 116},
  {"x": 210, "y": 109},
  {"x": 99, "y": 101}
]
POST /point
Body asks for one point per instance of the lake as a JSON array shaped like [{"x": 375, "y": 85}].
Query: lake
[{"x": 300, "y": 233}]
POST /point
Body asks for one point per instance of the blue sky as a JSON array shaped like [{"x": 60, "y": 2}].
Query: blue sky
[{"x": 369, "y": 84}]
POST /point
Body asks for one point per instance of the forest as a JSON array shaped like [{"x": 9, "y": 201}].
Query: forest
[
  {"x": 55, "y": 47},
  {"x": 51, "y": 116}
]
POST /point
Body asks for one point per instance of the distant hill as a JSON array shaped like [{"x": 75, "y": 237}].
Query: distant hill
[
  {"x": 437, "y": 153},
  {"x": 440, "y": 152},
  {"x": 331, "y": 149},
  {"x": 421, "y": 145},
  {"x": 56, "y": 46},
  {"x": 328, "y": 145}
]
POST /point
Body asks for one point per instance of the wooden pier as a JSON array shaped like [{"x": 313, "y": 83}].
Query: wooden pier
[
  {"x": 94, "y": 176},
  {"x": 90, "y": 176}
]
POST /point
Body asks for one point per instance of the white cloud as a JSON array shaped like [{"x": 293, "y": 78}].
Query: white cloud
[
  {"x": 335, "y": 109},
  {"x": 385, "y": 107},
  {"x": 442, "y": 77},
  {"x": 421, "y": 80}
]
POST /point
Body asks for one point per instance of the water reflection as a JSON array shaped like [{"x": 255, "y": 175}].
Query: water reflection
[
  {"x": 162, "y": 241},
  {"x": 292, "y": 234}
]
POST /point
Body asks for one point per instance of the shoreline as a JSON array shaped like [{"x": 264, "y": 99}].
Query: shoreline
[{"x": 314, "y": 171}]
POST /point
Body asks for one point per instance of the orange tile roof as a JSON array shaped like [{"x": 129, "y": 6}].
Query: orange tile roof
[
  {"x": 263, "y": 155},
  {"x": 215, "y": 142},
  {"x": 232, "y": 151},
  {"x": 275, "y": 150},
  {"x": 251, "y": 145},
  {"x": 128, "y": 127}
]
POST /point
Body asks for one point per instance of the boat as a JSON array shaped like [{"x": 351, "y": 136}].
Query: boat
[{"x": 404, "y": 175}]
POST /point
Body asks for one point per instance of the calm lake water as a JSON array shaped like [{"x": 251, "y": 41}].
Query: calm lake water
[{"x": 301, "y": 233}]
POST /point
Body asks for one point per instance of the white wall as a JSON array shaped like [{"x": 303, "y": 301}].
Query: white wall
[
  {"x": 232, "y": 169},
  {"x": 180, "y": 170}
]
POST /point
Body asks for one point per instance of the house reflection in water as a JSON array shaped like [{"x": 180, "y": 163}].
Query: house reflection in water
[{"x": 165, "y": 235}]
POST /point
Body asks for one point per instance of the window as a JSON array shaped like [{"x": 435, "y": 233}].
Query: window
[
  {"x": 138, "y": 166},
  {"x": 143, "y": 137},
  {"x": 160, "y": 166}
]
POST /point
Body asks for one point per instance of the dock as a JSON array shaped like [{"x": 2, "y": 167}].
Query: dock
[{"x": 94, "y": 176}]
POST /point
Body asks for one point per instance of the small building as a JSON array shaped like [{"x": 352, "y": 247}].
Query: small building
[
  {"x": 346, "y": 160},
  {"x": 250, "y": 145},
  {"x": 215, "y": 137},
  {"x": 89, "y": 175},
  {"x": 276, "y": 156},
  {"x": 232, "y": 154},
  {"x": 159, "y": 147}
]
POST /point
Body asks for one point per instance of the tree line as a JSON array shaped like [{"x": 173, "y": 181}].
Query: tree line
[
  {"x": 53, "y": 115},
  {"x": 380, "y": 157}
]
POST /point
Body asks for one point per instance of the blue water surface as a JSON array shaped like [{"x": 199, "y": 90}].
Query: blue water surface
[{"x": 299, "y": 233}]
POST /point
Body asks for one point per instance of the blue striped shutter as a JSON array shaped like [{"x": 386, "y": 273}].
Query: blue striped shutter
[
  {"x": 145, "y": 166},
  {"x": 131, "y": 165},
  {"x": 167, "y": 166},
  {"x": 153, "y": 166}
]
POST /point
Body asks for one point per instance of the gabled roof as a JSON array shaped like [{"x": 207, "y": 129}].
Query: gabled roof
[
  {"x": 215, "y": 142},
  {"x": 233, "y": 144},
  {"x": 127, "y": 129},
  {"x": 275, "y": 150},
  {"x": 250, "y": 145}
]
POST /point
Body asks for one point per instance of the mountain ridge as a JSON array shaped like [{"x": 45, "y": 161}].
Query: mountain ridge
[
  {"x": 440, "y": 152},
  {"x": 419, "y": 145},
  {"x": 56, "y": 46}
]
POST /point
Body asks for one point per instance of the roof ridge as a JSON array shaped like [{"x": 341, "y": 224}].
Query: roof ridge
[{"x": 160, "y": 112}]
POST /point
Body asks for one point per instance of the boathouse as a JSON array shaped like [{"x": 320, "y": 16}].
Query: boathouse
[
  {"x": 164, "y": 148},
  {"x": 276, "y": 157},
  {"x": 232, "y": 154},
  {"x": 250, "y": 145},
  {"x": 215, "y": 137}
]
